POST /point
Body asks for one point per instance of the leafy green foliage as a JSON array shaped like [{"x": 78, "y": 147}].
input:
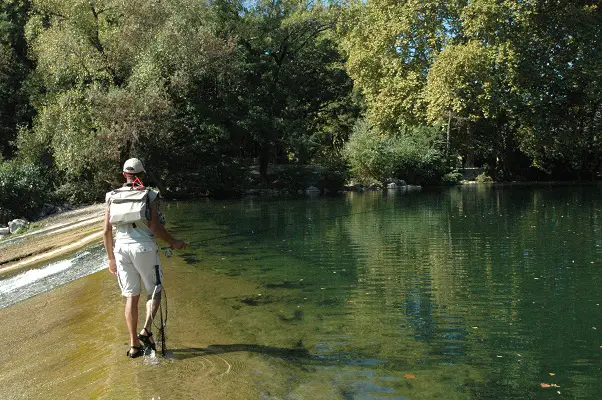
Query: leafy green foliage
[
  {"x": 411, "y": 155},
  {"x": 501, "y": 76},
  {"x": 197, "y": 89},
  {"x": 483, "y": 178},
  {"x": 14, "y": 69},
  {"x": 451, "y": 178},
  {"x": 24, "y": 188}
]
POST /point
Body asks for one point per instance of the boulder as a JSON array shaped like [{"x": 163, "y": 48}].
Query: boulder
[
  {"x": 48, "y": 209},
  {"x": 4, "y": 231},
  {"x": 392, "y": 185},
  {"x": 17, "y": 224},
  {"x": 398, "y": 182}
]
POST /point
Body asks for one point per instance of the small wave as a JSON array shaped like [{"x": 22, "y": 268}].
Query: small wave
[
  {"x": 33, "y": 275},
  {"x": 39, "y": 280}
]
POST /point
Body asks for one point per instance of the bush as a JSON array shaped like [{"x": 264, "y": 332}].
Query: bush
[
  {"x": 79, "y": 192},
  {"x": 24, "y": 188},
  {"x": 451, "y": 178},
  {"x": 483, "y": 178},
  {"x": 411, "y": 155}
]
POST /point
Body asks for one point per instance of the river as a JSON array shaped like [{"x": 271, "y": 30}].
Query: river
[{"x": 473, "y": 292}]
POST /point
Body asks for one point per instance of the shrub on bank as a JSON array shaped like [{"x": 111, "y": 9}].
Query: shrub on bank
[
  {"x": 411, "y": 155},
  {"x": 451, "y": 178},
  {"x": 81, "y": 192},
  {"x": 293, "y": 178},
  {"x": 483, "y": 178},
  {"x": 24, "y": 188}
]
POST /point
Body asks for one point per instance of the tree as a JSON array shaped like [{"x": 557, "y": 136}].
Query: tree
[
  {"x": 558, "y": 81},
  {"x": 510, "y": 79},
  {"x": 391, "y": 46},
  {"x": 117, "y": 78},
  {"x": 14, "y": 69},
  {"x": 296, "y": 85}
]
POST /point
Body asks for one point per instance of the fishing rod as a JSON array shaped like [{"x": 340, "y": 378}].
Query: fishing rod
[{"x": 160, "y": 309}]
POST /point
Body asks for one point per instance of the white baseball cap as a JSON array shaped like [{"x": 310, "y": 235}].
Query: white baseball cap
[{"x": 133, "y": 166}]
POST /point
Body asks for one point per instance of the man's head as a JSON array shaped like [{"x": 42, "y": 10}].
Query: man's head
[
  {"x": 133, "y": 166},
  {"x": 133, "y": 171}
]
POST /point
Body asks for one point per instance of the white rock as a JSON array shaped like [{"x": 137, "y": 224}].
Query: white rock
[
  {"x": 4, "y": 231},
  {"x": 16, "y": 224}
]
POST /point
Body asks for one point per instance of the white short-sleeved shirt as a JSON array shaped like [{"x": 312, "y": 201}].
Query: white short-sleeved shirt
[{"x": 138, "y": 232}]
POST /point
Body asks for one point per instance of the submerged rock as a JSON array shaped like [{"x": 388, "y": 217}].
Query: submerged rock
[{"x": 297, "y": 316}]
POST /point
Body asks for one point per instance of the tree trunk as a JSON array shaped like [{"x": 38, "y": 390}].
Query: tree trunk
[{"x": 264, "y": 159}]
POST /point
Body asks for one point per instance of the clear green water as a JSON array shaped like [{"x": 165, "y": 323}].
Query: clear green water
[{"x": 481, "y": 292}]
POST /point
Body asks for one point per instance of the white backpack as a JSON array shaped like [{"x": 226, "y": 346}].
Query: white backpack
[{"x": 128, "y": 206}]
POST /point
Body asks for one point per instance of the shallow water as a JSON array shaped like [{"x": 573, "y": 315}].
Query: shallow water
[
  {"x": 481, "y": 292},
  {"x": 38, "y": 280}
]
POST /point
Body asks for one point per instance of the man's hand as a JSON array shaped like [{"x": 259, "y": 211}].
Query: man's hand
[
  {"x": 178, "y": 244},
  {"x": 113, "y": 267}
]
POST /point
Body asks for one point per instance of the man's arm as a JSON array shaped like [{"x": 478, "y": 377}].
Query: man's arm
[
  {"x": 108, "y": 240},
  {"x": 160, "y": 231}
]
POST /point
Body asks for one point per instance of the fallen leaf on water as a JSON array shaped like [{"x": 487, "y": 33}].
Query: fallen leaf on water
[
  {"x": 549, "y": 385},
  {"x": 409, "y": 376}
]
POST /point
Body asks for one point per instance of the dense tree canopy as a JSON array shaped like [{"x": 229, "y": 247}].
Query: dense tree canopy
[
  {"x": 502, "y": 76},
  {"x": 200, "y": 89},
  {"x": 14, "y": 67}
]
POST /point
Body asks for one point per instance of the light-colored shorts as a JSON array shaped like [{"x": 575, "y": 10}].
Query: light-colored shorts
[{"x": 136, "y": 263}]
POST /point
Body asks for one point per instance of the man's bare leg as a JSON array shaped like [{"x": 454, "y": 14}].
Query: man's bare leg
[
  {"x": 131, "y": 318},
  {"x": 152, "y": 306}
]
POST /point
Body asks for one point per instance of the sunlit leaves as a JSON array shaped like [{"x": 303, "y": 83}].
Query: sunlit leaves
[
  {"x": 459, "y": 82},
  {"x": 495, "y": 72},
  {"x": 391, "y": 45}
]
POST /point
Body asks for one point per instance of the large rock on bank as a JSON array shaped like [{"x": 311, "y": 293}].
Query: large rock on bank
[{"x": 17, "y": 224}]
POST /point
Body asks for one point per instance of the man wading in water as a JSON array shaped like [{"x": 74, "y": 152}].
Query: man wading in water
[{"x": 135, "y": 256}]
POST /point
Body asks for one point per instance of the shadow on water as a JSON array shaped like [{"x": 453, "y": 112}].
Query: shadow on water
[
  {"x": 284, "y": 353},
  {"x": 298, "y": 354}
]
